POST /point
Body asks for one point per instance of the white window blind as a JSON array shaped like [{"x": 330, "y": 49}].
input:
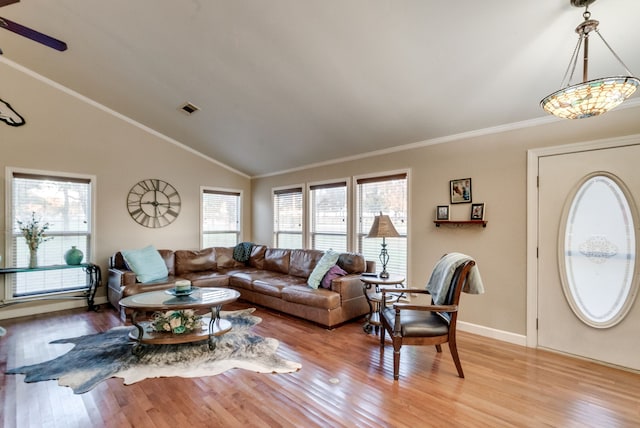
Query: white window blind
[
  {"x": 328, "y": 214},
  {"x": 386, "y": 194},
  {"x": 64, "y": 203},
  {"x": 220, "y": 218},
  {"x": 287, "y": 218}
]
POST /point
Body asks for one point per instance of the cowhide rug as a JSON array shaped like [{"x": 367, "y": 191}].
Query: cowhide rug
[{"x": 97, "y": 357}]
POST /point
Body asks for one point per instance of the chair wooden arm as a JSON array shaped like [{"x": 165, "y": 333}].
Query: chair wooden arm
[
  {"x": 431, "y": 308},
  {"x": 390, "y": 289}
]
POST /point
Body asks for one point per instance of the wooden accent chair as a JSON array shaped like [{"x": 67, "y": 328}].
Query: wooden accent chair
[{"x": 411, "y": 324}]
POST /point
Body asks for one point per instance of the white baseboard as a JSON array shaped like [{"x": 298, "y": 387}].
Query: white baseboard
[
  {"x": 26, "y": 309},
  {"x": 505, "y": 336},
  {"x": 22, "y": 310}
]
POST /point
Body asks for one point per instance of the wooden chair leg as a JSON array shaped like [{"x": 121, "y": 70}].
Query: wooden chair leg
[
  {"x": 438, "y": 348},
  {"x": 397, "y": 344},
  {"x": 454, "y": 353},
  {"x": 382, "y": 330}
]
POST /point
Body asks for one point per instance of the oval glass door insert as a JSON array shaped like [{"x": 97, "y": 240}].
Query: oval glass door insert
[{"x": 598, "y": 251}]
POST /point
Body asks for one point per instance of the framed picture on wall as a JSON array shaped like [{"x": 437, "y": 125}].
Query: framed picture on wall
[
  {"x": 442, "y": 212},
  {"x": 460, "y": 191},
  {"x": 477, "y": 211}
]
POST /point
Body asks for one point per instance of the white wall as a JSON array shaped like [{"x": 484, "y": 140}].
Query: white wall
[
  {"x": 65, "y": 133},
  {"x": 497, "y": 164}
]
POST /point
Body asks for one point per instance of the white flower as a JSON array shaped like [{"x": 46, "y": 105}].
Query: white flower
[{"x": 175, "y": 322}]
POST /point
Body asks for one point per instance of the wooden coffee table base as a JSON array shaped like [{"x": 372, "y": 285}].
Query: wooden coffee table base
[
  {"x": 211, "y": 299},
  {"x": 207, "y": 332}
]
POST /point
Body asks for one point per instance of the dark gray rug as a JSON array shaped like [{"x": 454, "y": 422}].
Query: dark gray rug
[{"x": 97, "y": 357}]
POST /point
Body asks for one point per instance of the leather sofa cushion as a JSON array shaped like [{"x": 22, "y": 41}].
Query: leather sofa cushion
[
  {"x": 207, "y": 279},
  {"x": 270, "y": 288},
  {"x": 319, "y": 298},
  {"x": 225, "y": 260},
  {"x": 281, "y": 281},
  {"x": 188, "y": 261},
  {"x": 117, "y": 262},
  {"x": 245, "y": 278},
  {"x": 277, "y": 260},
  {"x": 302, "y": 262},
  {"x": 169, "y": 257},
  {"x": 352, "y": 262},
  {"x": 256, "y": 259}
]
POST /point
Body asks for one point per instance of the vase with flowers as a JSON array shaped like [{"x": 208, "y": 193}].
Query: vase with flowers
[{"x": 34, "y": 233}]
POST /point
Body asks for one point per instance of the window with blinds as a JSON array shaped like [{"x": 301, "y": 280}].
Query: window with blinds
[
  {"x": 287, "y": 218},
  {"x": 64, "y": 203},
  {"x": 328, "y": 216},
  {"x": 220, "y": 218},
  {"x": 386, "y": 194}
]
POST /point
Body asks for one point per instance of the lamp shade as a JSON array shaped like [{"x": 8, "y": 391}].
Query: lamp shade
[
  {"x": 591, "y": 97},
  {"x": 382, "y": 227}
]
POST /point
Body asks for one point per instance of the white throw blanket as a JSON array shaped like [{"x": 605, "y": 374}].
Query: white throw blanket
[{"x": 442, "y": 274}]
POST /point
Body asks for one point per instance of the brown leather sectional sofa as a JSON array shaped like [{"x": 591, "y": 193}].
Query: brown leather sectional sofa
[{"x": 272, "y": 277}]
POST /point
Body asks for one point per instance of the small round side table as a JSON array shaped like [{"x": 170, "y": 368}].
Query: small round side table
[{"x": 371, "y": 289}]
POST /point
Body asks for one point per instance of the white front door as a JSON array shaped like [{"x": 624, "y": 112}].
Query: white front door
[{"x": 588, "y": 260}]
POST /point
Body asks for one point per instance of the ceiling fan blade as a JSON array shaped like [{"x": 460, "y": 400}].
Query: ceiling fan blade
[
  {"x": 7, "y": 2},
  {"x": 32, "y": 34}
]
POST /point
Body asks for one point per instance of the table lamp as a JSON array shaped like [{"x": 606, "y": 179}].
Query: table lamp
[{"x": 382, "y": 227}]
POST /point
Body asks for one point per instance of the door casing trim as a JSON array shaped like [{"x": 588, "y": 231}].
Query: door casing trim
[{"x": 533, "y": 157}]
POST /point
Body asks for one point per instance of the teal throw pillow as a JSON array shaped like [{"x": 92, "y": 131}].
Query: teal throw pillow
[
  {"x": 147, "y": 263},
  {"x": 328, "y": 259}
]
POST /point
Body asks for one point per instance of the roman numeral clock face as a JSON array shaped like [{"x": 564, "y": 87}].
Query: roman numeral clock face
[{"x": 153, "y": 203}]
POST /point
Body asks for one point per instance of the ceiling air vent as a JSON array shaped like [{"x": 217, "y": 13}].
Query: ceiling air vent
[{"x": 189, "y": 108}]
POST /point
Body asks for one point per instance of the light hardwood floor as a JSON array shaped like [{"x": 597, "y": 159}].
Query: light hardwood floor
[{"x": 344, "y": 382}]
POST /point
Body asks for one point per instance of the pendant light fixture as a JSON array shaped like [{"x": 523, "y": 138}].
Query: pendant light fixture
[{"x": 591, "y": 97}]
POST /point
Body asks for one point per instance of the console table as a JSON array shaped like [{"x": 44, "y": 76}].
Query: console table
[{"x": 94, "y": 276}]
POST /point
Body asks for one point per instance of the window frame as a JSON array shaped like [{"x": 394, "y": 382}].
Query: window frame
[
  {"x": 10, "y": 173},
  {"x": 303, "y": 230},
  {"x": 222, "y": 191},
  {"x": 341, "y": 182},
  {"x": 356, "y": 235}
]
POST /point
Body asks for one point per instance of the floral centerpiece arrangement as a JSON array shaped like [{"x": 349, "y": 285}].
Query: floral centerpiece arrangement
[
  {"x": 176, "y": 322},
  {"x": 34, "y": 233}
]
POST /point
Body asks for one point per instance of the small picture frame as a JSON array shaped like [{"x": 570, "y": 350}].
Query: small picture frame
[
  {"x": 460, "y": 191},
  {"x": 442, "y": 212},
  {"x": 477, "y": 211}
]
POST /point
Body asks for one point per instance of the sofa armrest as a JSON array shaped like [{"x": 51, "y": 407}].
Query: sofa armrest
[
  {"x": 121, "y": 277},
  {"x": 348, "y": 286}
]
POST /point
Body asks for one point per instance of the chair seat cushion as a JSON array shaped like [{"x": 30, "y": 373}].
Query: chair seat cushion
[{"x": 417, "y": 323}]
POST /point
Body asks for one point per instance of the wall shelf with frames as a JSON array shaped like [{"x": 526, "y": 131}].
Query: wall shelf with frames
[{"x": 461, "y": 223}]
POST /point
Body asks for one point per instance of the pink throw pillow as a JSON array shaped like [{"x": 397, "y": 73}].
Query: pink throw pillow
[{"x": 334, "y": 272}]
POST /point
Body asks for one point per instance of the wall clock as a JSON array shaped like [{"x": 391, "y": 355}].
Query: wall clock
[{"x": 153, "y": 203}]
